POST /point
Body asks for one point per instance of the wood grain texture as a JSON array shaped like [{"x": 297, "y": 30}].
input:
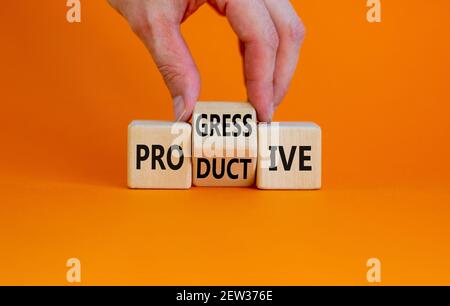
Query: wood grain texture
[
  {"x": 224, "y": 142},
  {"x": 289, "y": 156},
  {"x": 154, "y": 160}
]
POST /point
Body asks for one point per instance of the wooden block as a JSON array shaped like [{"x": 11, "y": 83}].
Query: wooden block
[
  {"x": 289, "y": 156},
  {"x": 159, "y": 155},
  {"x": 224, "y": 144}
]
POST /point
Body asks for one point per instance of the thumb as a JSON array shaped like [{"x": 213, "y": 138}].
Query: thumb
[{"x": 174, "y": 60}]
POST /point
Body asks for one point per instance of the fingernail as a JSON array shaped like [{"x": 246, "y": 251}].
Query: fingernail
[{"x": 178, "y": 108}]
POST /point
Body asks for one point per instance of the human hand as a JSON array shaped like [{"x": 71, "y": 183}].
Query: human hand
[{"x": 270, "y": 33}]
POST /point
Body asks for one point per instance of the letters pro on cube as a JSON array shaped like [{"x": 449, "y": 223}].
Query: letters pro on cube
[
  {"x": 159, "y": 155},
  {"x": 224, "y": 147}
]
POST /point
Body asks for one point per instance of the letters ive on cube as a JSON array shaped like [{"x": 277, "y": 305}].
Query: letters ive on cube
[
  {"x": 224, "y": 141},
  {"x": 289, "y": 156},
  {"x": 159, "y": 155}
]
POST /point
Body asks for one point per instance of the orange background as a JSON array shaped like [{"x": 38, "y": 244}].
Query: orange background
[{"x": 379, "y": 91}]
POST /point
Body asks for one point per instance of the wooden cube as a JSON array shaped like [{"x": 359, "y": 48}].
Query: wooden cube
[
  {"x": 289, "y": 156},
  {"x": 224, "y": 141},
  {"x": 159, "y": 155}
]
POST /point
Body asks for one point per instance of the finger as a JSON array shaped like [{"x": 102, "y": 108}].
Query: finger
[
  {"x": 291, "y": 33},
  {"x": 163, "y": 38},
  {"x": 254, "y": 27}
]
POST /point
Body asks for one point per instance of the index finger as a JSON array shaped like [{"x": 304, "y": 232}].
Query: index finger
[{"x": 253, "y": 25}]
